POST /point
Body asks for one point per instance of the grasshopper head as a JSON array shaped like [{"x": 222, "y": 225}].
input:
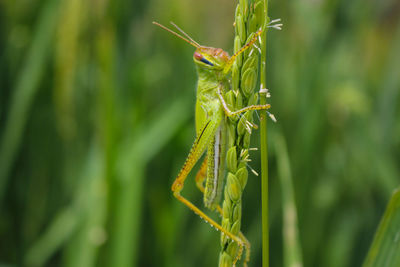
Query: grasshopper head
[
  {"x": 205, "y": 57},
  {"x": 210, "y": 58}
]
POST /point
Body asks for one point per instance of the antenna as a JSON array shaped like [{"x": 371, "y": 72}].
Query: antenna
[
  {"x": 190, "y": 40},
  {"x": 184, "y": 33}
]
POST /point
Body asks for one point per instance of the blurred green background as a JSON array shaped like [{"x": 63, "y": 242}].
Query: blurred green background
[{"x": 96, "y": 119}]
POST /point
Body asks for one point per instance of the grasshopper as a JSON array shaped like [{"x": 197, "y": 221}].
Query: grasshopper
[{"x": 213, "y": 68}]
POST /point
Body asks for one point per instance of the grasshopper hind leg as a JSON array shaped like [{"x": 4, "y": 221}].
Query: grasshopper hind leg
[
  {"x": 201, "y": 175},
  {"x": 217, "y": 226},
  {"x": 206, "y": 133},
  {"x": 200, "y": 178}
]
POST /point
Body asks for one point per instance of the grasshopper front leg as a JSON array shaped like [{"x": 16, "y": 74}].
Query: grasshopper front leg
[
  {"x": 205, "y": 134},
  {"x": 230, "y": 113}
]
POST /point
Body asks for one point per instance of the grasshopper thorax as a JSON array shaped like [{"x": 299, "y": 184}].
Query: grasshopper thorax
[{"x": 210, "y": 58}]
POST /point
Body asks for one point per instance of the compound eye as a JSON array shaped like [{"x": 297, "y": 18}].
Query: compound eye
[
  {"x": 200, "y": 57},
  {"x": 206, "y": 61}
]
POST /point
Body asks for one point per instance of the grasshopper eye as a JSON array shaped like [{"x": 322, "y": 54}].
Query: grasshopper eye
[
  {"x": 200, "y": 57},
  {"x": 206, "y": 61}
]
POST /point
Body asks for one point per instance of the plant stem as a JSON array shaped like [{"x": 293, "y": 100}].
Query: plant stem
[{"x": 264, "y": 147}]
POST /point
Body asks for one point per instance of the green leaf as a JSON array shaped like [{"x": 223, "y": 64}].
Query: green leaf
[
  {"x": 291, "y": 242},
  {"x": 385, "y": 249}
]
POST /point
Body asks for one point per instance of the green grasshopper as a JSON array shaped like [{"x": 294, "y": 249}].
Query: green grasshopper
[{"x": 213, "y": 69}]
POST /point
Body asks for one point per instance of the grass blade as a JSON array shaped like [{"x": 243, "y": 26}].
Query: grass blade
[
  {"x": 25, "y": 90},
  {"x": 291, "y": 245},
  {"x": 132, "y": 159},
  {"x": 385, "y": 249},
  {"x": 264, "y": 147}
]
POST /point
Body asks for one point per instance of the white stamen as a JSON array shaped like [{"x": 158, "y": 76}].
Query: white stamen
[
  {"x": 259, "y": 50},
  {"x": 272, "y": 117},
  {"x": 275, "y": 26},
  {"x": 251, "y": 51},
  {"x": 252, "y": 170},
  {"x": 274, "y": 21},
  {"x": 248, "y": 129},
  {"x": 263, "y": 90},
  {"x": 252, "y": 125},
  {"x": 246, "y": 158}
]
